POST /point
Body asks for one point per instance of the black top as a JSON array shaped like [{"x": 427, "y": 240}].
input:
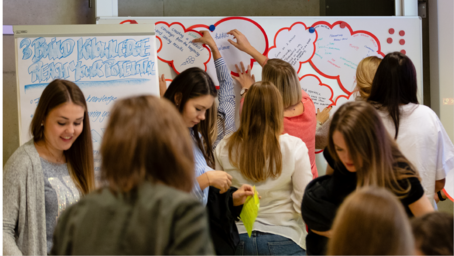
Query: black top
[{"x": 325, "y": 194}]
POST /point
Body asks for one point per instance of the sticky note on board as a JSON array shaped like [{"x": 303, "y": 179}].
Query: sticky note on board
[{"x": 250, "y": 211}]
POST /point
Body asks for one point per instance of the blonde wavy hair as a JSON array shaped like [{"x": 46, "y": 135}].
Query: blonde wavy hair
[{"x": 365, "y": 74}]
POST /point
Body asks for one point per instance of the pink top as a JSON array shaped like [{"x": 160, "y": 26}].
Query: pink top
[{"x": 303, "y": 127}]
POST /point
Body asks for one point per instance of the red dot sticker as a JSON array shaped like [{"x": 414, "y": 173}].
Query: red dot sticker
[
  {"x": 403, "y": 51},
  {"x": 389, "y": 40},
  {"x": 401, "y": 41},
  {"x": 391, "y": 31},
  {"x": 342, "y": 25},
  {"x": 401, "y": 33}
]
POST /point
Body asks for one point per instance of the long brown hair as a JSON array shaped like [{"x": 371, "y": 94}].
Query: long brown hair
[
  {"x": 80, "y": 155},
  {"x": 371, "y": 221},
  {"x": 254, "y": 148},
  {"x": 365, "y": 73},
  {"x": 146, "y": 140},
  {"x": 284, "y": 77},
  {"x": 192, "y": 83},
  {"x": 376, "y": 156}
]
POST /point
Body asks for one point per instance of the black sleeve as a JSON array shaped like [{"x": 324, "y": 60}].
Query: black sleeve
[
  {"x": 415, "y": 193},
  {"x": 329, "y": 158}
]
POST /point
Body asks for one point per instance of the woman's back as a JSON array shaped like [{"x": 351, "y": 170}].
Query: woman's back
[
  {"x": 303, "y": 126},
  {"x": 281, "y": 197},
  {"x": 154, "y": 219},
  {"x": 423, "y": 140}
]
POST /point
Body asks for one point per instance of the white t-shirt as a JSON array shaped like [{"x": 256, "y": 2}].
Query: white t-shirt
[
  {"x": 280, "y": 206},
  {"x": 424, "y": 141}
]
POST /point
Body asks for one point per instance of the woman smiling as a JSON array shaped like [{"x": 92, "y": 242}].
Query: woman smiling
[{"x": 49, "y": 172}]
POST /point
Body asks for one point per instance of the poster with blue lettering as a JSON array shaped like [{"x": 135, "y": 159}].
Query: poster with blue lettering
[{"x": 106, "y": 68}]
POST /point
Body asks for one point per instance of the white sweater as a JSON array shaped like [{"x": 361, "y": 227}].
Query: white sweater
[{"x": 280, "y": 206}]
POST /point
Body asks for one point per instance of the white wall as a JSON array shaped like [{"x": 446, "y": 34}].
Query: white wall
[{"x": 441, "y": 32}]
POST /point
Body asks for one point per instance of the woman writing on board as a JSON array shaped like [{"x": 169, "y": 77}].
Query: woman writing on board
[
  {"x": 148, "y": 172},
  {"x": 277, "y": 164},
  {"x": 193, "y": 93},
  {"x": 360, "y": 153},
  {"x": 416, "y": 128},
  {"x": 49, "y": 172},
  {"x": 299, "y": 110}
]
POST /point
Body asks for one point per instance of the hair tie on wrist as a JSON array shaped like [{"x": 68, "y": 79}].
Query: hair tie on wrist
[{"x": 440, "y": 197}]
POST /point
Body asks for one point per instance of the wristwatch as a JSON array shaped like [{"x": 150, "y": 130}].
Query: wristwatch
[{"x": 243, "y": 91}]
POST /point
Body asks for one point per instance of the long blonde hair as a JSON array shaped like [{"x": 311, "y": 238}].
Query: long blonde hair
[
  {"x": 371, "y": 221},
  {"x": 377, "y": 158},
  {"x": 254, "y": 148},
  {"x": 365, "y": 73},
  {"x": 284, "y": 77}
]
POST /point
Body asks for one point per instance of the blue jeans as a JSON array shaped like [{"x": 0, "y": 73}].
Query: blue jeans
[{"x": 267, "y": 244}]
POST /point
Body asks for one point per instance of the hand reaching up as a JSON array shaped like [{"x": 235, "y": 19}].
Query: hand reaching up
[{"x": 245, "y": 78}]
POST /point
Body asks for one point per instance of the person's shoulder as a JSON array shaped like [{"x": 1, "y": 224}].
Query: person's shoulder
[
  {"x": 291, "y": 143},
  {"x": 161, "y": 193},
  {"x": 23, "y": 158}
]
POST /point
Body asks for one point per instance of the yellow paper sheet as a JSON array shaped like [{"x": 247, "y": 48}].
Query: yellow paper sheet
[{"x": 250, "y": 211}]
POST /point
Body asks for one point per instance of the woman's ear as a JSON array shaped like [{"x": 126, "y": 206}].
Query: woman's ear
[{"x": 177, "y": 98}]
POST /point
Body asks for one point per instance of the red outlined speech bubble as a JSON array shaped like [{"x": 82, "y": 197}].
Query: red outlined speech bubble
[
  {"x": 251, "y": 29},
  {"x": 178, "y": 50},
  {"x": 339, "y": 49},
  {"x": 321, "y": 94},
  {"x": 294, "y": 44}
]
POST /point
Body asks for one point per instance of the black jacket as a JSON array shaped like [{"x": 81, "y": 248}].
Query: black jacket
[{"x": 222, "y": 216}]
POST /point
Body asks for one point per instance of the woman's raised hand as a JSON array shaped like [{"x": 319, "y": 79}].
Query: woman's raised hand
[
  {"x": 162, "y": 85},
  {"x": 244, "y": 77},
  {"x": 220, "y": 180},
  {"x": 241, "y": 41},
  {"x": 206, "y": 39}
]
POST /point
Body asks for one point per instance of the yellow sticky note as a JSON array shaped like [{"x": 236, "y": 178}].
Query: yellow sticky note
[{"x": 250, "y": 211}]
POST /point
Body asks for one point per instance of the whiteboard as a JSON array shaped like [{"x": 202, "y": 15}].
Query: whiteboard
[
  {"x": 107, "y": 62},
  {"x": 324, "y": 51}
]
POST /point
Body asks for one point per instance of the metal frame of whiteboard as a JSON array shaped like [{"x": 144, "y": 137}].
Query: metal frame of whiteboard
[{"x": 22, "y": 31}]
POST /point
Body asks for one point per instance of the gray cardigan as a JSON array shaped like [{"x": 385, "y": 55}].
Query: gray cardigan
[{"x": 24, "y": 214}]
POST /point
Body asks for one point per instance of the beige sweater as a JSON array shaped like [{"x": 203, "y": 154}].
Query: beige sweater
[{"x": 24, "y": 220}]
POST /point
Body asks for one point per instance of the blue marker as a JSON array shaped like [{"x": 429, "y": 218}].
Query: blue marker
[
  {"x": 311, "y": 30},
  {"x": 212, "y": 28}
]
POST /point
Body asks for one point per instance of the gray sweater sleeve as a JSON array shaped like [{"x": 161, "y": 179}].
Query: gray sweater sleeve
[
  {"x": 14, "y": 177},
  {"x": 24, "y": 224}
]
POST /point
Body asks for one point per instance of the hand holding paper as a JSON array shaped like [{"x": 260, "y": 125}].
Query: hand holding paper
[{"x": 250, "y": 211}]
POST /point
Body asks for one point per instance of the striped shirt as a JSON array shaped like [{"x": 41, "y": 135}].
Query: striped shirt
[{"x": 225, "y": 125}]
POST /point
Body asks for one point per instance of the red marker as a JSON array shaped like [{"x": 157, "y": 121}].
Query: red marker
[
  {"x": 402, "y": 33},
  {"x": 391, "y": 31},
  {"x": 401, "y": 41},
  {"x": 389, "y": 40}
]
